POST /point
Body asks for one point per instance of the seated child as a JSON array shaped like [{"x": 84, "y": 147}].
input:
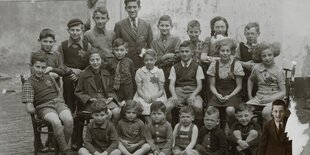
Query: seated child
[
  {"x": 244, "y": 134},
  {"x": 122, "y": 71},
  {"x": 269, "y": 77},
  {"x": 185, "y": 133},
  {"x": 150, "y": 84},
  {"x": 159, "y": 131},
  {"x": 41, "y": 95},
  {"x": 211, "y": 139},
  {"x": 101, "y": 136},
  {"x": 248, "y": 57},
  {"x": 274, "y": 140},
  {"x": 186, "y": 83},
  {"x": 225, "y": 80},
  {"x": 131, "y": 130}
]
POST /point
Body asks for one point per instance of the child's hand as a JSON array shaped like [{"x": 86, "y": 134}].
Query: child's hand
[
  {"x": 76, "y": 71},
  {"x": 243, "y": 144},
  {"x": 92, "y": 99},
  {"x": 174, "y": 99},
  {"x": 30, "y": 108},
  {"x": 53, "y": 75},
  {"x": 48, "y": 69},
  {"x": 155, "y": 153},
  {"x": 73, "y": 77},
  {"x": 104, "y": 153},
  {"x": 176, "y": 152},
  {"x": 220, "y": 97},
  {"x": 191, "y": 99}
]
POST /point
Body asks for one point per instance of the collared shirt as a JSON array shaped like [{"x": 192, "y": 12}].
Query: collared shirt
[
  {"x": 238, "y": 52},
  {"x": 199, "y": 73},
  {"x": 71, "y": 42},
  {"x": 126, "y": 69},
  {"x": 225, "y": 69},
  {"x": 132, "y": 131},
  {"x": 278, "y": 123},
  {"x": 131, "y": 21}
]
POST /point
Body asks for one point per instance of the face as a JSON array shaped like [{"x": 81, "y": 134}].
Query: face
[
  {"x": 131, "y": 115},
  {"x": 267, "y": 57},
  {"x": 132, "y": 9},
  {"x": 185, "y": 53},
  {"x": 211, "y": 121},
  {"x": 193, "y": 33},
  {"x": 75, "y": 32},
  {"x": 220, "y": 27},
  {"x": 149, "y": 61},
  {"x": 278, "y": 113},
  {"x": 120, "y": 52},
  {"x": 47, "y": 44},
  {"x": 157, "y": 116},
  {"x": 251, "y": 35},
  {"x": 38, "y": 68},
  {"x": 186, "y": 119},
  {"x": 100, "y": 20},
  {"x": 244, "y": 117},
  {"x": 100, "y": 117},
  {"x": 225, "y": 52},
  {"x": 164, "y": 27},
  {"x": 95, "y": 61}
]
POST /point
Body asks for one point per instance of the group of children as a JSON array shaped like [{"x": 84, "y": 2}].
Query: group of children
[{"x": 131, "y": 84}]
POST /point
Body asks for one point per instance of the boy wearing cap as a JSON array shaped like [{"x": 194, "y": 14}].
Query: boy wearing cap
[
  {"x": 135, "y": 31},
  {"x": 75, "y": 53}
]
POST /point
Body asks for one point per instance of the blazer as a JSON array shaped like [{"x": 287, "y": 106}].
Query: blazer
[
  {"x": 271, "y": 144},
  {"x": 136, "y": 41}
]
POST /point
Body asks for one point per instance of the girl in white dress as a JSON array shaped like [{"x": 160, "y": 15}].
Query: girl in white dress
[{"x": 150, "y": 83}]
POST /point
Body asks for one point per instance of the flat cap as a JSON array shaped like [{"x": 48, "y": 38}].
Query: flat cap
[{"x": 74, "y": 22}]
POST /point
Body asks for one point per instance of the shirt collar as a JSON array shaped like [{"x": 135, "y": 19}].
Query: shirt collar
[
  {"x": 154, "y": 70},
  {"x": 136, "y": 21},
  {"x": 164, "y": 37},
  {"x": 99, "y": 31},
  {"x": 70, "y": 42},
  {"x": 262, "y": 68},
  {"x": 102, "y": 126},
  {"x": 160, "y": 123},
  {"x": 37, "y": 78},
  {"x": 188, "y": 63},
  {"x": 50, "y": 52},
  {"x": 278, "y": 123},
  {"x": 225, "y": 65}
]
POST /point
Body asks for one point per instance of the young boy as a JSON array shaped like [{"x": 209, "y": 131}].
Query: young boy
[
  {"x": 185, "y": 133},
  {"x": 159, "y": 132},
  {"x": 248, "y": 56},
  {"x": 186, "y": 83},
  {"x": 99, "y": 37},
  {"x": 101, "y": 136},
  {"x": 274, "y": 140},
  {"x": 212, "y": 139},
  {"x": 75, "y": 54},
  {"x": 41, "y": 95},
  {"x": 244, "y": 134},
  {"x": 135, "y": 31},
  {"x": 122, "y": 71}
]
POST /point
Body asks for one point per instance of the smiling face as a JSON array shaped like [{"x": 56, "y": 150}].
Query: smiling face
[
  {"x": 38, "y": 68},
  {"x": 211, "y": 121},
  {"x": 267, "y": 56},
  {"x": 149, "y": 61},
  {"x": 220, "y": 27},
  {"x": 131, "y": 114},
  {"x": 164, "y": 27},
  {"x": 100, "y": 20},
  {"x": 100, "y": 117},
  {"x": 225, "y": 53},
  {"x": 278, "y": 113},
  {"x": 75, "y": 32},
  {"x": 132, "y": 9},
  {"x": 251, "y": 35},
  {"x": 186, "y": 119},
  {"x": 95, "y": 61},
  {"x": 185, "y": 53},
  {"x": 47, "y": 44},
  {"x": 120, "y": 52},
  {"x": 244, "y": 117},
  {"x": 193, "y": 33},
  {"x": 157, "y": 116}
]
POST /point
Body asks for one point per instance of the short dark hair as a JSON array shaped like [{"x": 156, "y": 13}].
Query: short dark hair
[
  {"x": 243, "y": 107},
  {"x": 38, "y": 56},
  {"x": 45, "y": 33},
  {"x": 131, "y": 104},
  {"x": 252, "y": 24},
  {"x": 211, "y": 110},
  {"x": 193, "y": 23},
  {"x": 119, "y": 42},
  {"x": 99, "y": 106},
  {"x": 187, "y": 110},
  {"x": 214, "y": 20},
  {"x": 158, "y": 105},
  {"x": 101, "y": 9},
  {"x": 279, "y": 102},
  {"x": 127, "y": 1},
  {"x": 185, "y": 44},
  {"x": 165, "y": 18}
]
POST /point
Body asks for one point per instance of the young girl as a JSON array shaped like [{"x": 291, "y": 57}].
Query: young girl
[
  {"x": 150, "y": 83},
  {"x": 225, "y": 80},
  {"x": 130, "y": 129},
  {"x": 185, "y": 133},
  {"x": 269, "y": 77}
]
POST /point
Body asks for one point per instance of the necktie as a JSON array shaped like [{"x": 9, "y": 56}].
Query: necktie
[
  {"x": 134, "y": 25},
  {"x": 117, "y": 78},
  {"x": 280, "y": 129}
]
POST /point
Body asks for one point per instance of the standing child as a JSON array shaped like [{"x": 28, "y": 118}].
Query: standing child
[
  {"x": 225, "y": 80},
  {"x": 150, "y": 84},
  {"x": 159, "y": 131},
  {"x": 244, "y": 134},
  {"x": 185, "y": 133},
  {"x": 274, "y": 140},
  {"x": 135, "y": 31},
  {"x": 122, "y": 71},
  {"x": 101, "y": 137},
  {"x": 131, "y": 130},
  {"x": 74, "y": 52},
  {"x": 269, "y": 77},
  {"x": 248, "y": 56},
  {"x": 211, "y": 139}
]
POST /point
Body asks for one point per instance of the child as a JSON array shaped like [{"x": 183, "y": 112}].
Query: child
[
  {"x": 166, "y": 47},
  {"x": 269, "y": 77},
  {"x": 122, "y": 71},
  {"x": 99, "y": 37},
  {"x": 150, "y": 83},
  {"x": 135, "y": 31},
  {"x": 101, "y": 136},
  {"x": 244, "y": 134},
  {"x": 159, "y": 132},
  {"x": 41, "y": 95},
  {"x": 211, "y": 139},
  {"x": 186, "y": 83},
  {"x": 185, "y": 133},
  {"x": 248, "y": 56},
  {"x": 274, "y": 140},
  {"x": 74, "y": 52},
  {"x": 225, "y": 80},
  {"x": 131, "y": 130}
]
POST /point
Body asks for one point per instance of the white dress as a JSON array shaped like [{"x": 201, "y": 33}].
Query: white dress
[{"x": 150, "y": 80}]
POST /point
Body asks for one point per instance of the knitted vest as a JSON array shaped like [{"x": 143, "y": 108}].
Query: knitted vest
[
  {"x": 75, "y": 57},
  {"x": 186, "y": 76}
]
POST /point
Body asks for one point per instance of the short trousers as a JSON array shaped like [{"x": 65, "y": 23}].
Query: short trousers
[{"x": 56, "y": 106}]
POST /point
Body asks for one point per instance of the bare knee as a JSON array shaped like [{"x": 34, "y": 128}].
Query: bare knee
[
  {"x": 266, "y": 113},
  {"x": 237, "y": 133},
  {"x": 116, "y": 152},
  {"x": 253, "y": 133}
]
